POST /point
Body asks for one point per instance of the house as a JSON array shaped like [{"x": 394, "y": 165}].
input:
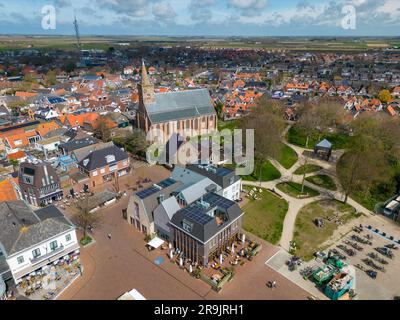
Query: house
[
  {"x": 204, "y": 229},
  {"x": 188, "y": 113},
  {"x": 19, "y": 141},
  {"x": 151, "y": 210},
  {"x": 31, "y": 240},
  {"x": 230, "y": 184},
  {"x": 46, "y": 114},
  {"x": 39, "y": 183},
  {"x": 141, "y": 206},
  {"x": 9, "y": 190},
  {"x": 396, "y": 92},
  {"x": 69, "y": 147},
  {"x": 104, "y": 165}
]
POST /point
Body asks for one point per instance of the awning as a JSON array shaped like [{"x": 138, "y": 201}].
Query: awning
[
  {"x": 156, "y": 243},
  {"x": 132, "y": 295},
  {"x": 2, "y": 287}
]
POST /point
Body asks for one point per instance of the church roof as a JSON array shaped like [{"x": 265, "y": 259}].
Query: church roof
[{"x": 178, "y": 105}]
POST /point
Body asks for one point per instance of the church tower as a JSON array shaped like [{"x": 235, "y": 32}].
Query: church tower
[
  {"x": 146, "y": 97},
  {"x": 146, "y": 88}
]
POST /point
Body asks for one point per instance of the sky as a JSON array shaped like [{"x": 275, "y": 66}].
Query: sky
[{"x": 204, "y": 17}]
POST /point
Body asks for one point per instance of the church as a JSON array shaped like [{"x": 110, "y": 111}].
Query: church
[{"x": 187, "y": 113}]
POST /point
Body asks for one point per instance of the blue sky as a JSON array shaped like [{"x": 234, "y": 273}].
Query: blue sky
[{"x": 205, "y": 17}]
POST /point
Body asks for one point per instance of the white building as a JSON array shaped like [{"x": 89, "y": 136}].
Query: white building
[{"x": 31, "y": 240}]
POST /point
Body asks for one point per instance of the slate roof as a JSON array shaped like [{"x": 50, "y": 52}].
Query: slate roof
[
  {"x": 22, "y": 228},
  {"x": 223, "y": 177},
  {"x": 78, "y": 144},
  {"x": 97, "y": 159},
  {"x": 180, "y": 105},
  {"x": 151, "y": 202}
]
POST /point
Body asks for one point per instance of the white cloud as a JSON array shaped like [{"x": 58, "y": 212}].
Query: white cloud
[{"x": 163, "y": 11}]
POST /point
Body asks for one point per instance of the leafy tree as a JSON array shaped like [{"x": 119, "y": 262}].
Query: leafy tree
[
  {"x": 385, "y": 96},
  {"x": 51, "y": 78}
]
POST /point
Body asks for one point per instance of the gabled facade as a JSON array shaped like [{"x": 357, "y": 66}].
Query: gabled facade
[{"x": 39, "y": 183}]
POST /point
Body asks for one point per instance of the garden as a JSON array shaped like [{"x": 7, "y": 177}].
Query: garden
[
  {"x": 293, "y": 189},
  {"x": 264, "y": 217},
  {"x": 309, "y": 237}
]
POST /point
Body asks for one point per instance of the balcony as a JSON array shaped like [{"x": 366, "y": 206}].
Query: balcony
[{"x": 47, "y": 255}]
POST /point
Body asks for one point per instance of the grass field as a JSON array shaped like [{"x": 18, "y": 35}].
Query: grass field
[
  {"x": 265, "y": 217},
  {"x": 325, "y": 44},
  {"x": 323, "y": 181},
  {"x": 268, "y": 173},
  {"x": 288, "y": 157},
  {"x": 308, "y": 168},
  {"x": 293, "y": 189},
  {"x": 298, "y": 137},
  {"x": 307, "y": 236},
  {"x": 231, "y": 125}
]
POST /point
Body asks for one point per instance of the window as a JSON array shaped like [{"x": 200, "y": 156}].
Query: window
[
  {"x": 136, "y": 210},
  {"x": 187, "y": 226},
  {"x": 36, "y": 253},
  {"x": 20, "y": 260},
  {"x": 68, "y": 238},
  {"x": 53, "y": 245},
  {"x": 102, "y": 171},
  {"x": 94, "y": 174},
  {"x": 110, "y": 158}
]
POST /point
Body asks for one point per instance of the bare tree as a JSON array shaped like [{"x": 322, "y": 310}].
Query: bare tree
[
  {"x": 85, "y": 218},
  {"x": 363, "y": 165},
  {"x": 268, "y": 124}
]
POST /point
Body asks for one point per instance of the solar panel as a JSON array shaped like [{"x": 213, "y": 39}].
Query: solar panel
[
  {"x": 166, "y": 183},
  {"x": 195, "y": 214},
  {"x": 223, "y": 171},
  {"x": 219, "y": 201},
  {"x": 147, "y": 192}
]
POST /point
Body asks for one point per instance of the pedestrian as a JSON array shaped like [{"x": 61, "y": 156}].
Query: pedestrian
[
  {"x": 109, "y": 236},
  {"x": 274, "y": 284}
]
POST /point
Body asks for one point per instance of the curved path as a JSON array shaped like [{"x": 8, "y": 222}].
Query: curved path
[{"x": 296, "y": 204}]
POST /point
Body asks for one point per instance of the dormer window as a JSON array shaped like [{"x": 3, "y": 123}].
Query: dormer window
[
  {"x": 187, "y": 226},
  {"x": 110, "y": 158},
  {"x": 86, "y": 162}
]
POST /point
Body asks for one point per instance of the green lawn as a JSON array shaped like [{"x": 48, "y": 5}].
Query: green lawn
[
  {"x": 307, "y": 236},
  {"x": 231, "y": 125},
  {"x": 298, "y": 137},
  {"x": 308, "y": 168},
  {"x": 293, "y": 189},
  {"x": 264, "y": 218},
  {"x": 323, "y": 181},
  {"x": 288, "y": 157},
  {"x": 268, "y": 173}
]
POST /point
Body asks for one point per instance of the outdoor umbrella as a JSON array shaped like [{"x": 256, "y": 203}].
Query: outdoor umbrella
[
  {"x": 190, "y": 269},
  {"x": 181, "y": 262},
  {"x": 171, "y": 254},
  {"x": 243, "y": 238},
  {"x": 221, "y": 260},
  {"x": 233, "y": 248}
]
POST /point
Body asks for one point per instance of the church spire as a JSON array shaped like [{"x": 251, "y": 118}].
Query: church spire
[
  {"x": 146, "y": 88},
  {"x": 145, "y": 76}
]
